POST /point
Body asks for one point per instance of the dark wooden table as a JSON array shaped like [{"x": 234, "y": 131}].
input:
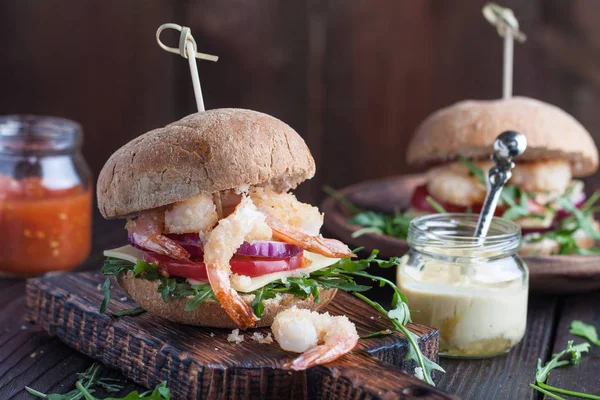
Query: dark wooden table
[{"x": 29, "y": 357}]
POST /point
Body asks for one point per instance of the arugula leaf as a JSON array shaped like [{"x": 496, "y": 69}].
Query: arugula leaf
[
  {"x": 587, "y": 206},
  {"x": 129, "y": 311},
  {"x": 340, "y": 198},
  {"x": 584, "y": 220},
  {"x": 573, "y": 354},
  {"x": 114, "y": 266},
  {"x": 150, "y": 271},
  {"x": 201, "y": 294},
  {"x": 436, "y": 206},
  {"x": 370, "y": 219},
  {"x": 579, "y": 328},
  {"x": 473, "y": 170},
  {"x": 161, "y": 392},
  {"x": 260, "y": 296},
  {"x": 166, "y": 287},
  {"x": 106, "y": 290},
  {"x": 88, "y": 380}
]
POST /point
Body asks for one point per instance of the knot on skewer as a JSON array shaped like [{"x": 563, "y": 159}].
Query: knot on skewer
[
  {"x": 185, "y": 37},
  {"x": 504, "y": 20}
]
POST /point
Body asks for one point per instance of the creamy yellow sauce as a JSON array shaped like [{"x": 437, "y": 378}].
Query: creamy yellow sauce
[{"x": 478, "y": 309}]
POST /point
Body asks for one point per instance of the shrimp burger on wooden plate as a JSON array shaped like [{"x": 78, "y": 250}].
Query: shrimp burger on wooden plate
[
  {"x": 542, "y": 196},
  {"x": 215, "y": 237}
]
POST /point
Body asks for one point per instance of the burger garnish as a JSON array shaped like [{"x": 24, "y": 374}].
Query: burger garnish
[
  {"x": 215, "y": 237},
  {"x": 541, "y": 196}
]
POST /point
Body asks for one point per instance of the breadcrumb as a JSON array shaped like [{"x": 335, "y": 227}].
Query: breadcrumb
[
  {"x": 262, "y": 339},
  {"x": 419, "y": 373},
  {"x": 235, "y": 337}
]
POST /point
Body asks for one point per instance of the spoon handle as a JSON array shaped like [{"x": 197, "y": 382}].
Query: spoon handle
[{"x": 497, "y": 178}]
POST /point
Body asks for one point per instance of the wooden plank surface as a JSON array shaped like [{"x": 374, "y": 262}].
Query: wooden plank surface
[
  {"x": 200, "y": 362},
  {"x": 506, "y": 377},
  {"x": 584, "y": 376}
]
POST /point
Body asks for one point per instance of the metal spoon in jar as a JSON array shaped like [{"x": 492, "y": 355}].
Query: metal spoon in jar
[{"x": 508, "y": 145}]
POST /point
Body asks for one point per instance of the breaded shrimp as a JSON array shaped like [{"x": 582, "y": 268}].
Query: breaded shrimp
[
  {"x": 244, "y": 224},
  {"x": 198, "y": 214},
  {"x": 452, "y": 183},
  {"x": 321, "y": 338},
  {"x": 287, "y": 209},
  {"x": 147, "y": 229}
]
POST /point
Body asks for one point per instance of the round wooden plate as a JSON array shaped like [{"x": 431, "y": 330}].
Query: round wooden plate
[{"x": 549, "y": 274}]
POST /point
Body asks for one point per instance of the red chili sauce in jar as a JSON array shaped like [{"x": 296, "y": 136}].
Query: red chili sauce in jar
[
  {"x": 45, "y": 196},
  {"x": 43, "y": 229}
]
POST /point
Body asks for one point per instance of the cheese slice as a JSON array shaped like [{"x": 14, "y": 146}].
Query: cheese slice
[
  {"x": 246, "y": 284},
  {"x": 127, "y": 253},
  {"x": 240, "y": 283}
]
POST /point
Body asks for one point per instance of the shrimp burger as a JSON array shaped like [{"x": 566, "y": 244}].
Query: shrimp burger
[
  {"x": 215, "y": 237},
  {"x": 542, "y": 196}
]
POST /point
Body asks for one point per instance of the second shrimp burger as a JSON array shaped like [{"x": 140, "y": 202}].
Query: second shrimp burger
[
  {"x": 215, "y": 237},
  {"x": 541, "y": 196}
]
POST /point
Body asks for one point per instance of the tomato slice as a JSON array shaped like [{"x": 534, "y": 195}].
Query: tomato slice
[
  {"x": 419, "y": 202},
  {"x": 249, "y": 266}
]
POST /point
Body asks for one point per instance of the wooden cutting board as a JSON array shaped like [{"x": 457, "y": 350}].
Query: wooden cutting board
[{"x": 200, "y": 363}]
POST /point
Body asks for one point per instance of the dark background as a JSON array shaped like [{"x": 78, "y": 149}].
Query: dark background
[{"x": 354, "y": 78}]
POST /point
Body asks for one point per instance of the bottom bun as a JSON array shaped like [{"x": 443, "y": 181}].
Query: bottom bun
[{"x": 210, "y": 313}]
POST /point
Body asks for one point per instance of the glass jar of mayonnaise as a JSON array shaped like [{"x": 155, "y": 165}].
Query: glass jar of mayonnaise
[{"x": 474, "y": 291}]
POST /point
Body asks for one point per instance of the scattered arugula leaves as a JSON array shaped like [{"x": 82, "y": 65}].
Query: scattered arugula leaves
[
  {"x": 573, "y": 354},
  {"x": 340, "y": 275},
  {"x": 106, "y": 291},
  {"x": 516, "y": 202},
  {"x": 588, "y": 332},
  {"x": 90, "y": 380}
]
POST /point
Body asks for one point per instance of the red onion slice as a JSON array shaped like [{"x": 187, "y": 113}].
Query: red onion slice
[{"x": 268, "y": 249}]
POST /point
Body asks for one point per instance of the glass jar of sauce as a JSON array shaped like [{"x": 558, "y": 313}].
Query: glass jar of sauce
[
  {"x": 474, "y": 291},
  {"x": 45, "y": 195}
]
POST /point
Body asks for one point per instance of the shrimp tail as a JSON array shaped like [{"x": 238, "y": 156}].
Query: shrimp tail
[
  {"x": 162, "y": 245},
  {"x": 320, "y": 355},
  {"x": 237, "y": 309},
  {"x": 327, "y": 247}
]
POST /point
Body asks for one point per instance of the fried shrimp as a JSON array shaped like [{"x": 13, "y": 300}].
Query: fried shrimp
[
  {"x": 244, "y": 224},
  {"x": 147, "y": 231},
  {"x": 198, "y": 214},
  {"x": 453, "y": 183},
  {"x": 286, "y": 208},
  {"x": 542, "y": 176},
  {"x": 321, "y": 338},
  {"x": 327, "y": 247}
]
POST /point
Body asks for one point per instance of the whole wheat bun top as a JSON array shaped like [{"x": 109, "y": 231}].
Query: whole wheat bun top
[
  {"x": 202, "y": 153},
  {"x": 469, "y": 128}
]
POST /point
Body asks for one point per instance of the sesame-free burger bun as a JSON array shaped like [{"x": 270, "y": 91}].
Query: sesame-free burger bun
[
  {"x": 204, "y": 152},
  {"x": 210, "y": 313},
  {"x": 469, "y": 128}
]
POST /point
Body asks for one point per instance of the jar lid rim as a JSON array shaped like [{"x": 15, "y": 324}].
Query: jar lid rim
[
  {"x": 501, "y": 230},
  {"x": 26, "y": 132}
]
